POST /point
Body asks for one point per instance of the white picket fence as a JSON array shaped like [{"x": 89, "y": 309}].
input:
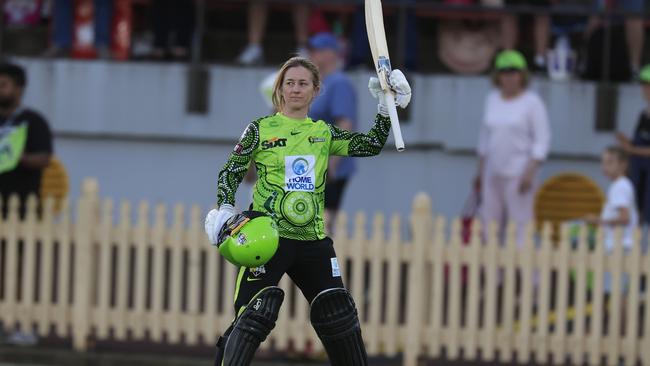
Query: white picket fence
[{"x": 142, "y": 277}]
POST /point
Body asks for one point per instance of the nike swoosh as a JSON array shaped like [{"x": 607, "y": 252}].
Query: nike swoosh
[
  {"x": 293, "y": 133},
  {"x": 252, "y": 279}
]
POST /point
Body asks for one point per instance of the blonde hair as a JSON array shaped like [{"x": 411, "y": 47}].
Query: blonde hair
[{"x": 278, "y": 100}]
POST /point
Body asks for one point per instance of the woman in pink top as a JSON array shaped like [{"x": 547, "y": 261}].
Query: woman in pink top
[{"x": 514, "y": 141}]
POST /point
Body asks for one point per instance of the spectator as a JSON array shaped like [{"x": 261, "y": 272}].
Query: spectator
[
  {"x": 360, "y": 49},
  {"x": 619, "y": 210},
  {"x": 336, "y": 104},
  {"x": 639, "y": 149},
  {"x": 513, "y": 142},
  {"x": 177, "y": 17},
  {"x": 21, "y": 12},
  {"x": 24, "y": 135},
  {"x": 257, "y": 14},
  {"x": 63, "y": 15},
  {"x": 632, "y": 23},
  {"x": 541, "y": 30}
]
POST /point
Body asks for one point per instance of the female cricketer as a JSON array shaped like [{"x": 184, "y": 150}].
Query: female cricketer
[{"x": 290, "y": 152}]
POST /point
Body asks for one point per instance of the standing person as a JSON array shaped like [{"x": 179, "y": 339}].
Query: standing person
[
  {"x": 177, "y": 17},
  {"x": 541, "y": 29},
  {"x": 291, "y": 154},
  {"x": 639, "y": 150},
  {"x": 63, "y": 28},
  {"x": 619, "y": 210},
  {"x": 336, "y": 104},
  {"x": 25, "y": 140},
  {"x": 513, "y": 142},
  {"x": 258, "y": 12}
]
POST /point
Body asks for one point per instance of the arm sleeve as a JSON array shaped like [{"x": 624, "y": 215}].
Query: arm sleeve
[
  {"x": 483, "y": 134},
  {"x": 234, "y": 171},
  {"x": 39, "y": 136},
  {"x": 346, "y": 143},
  {"x": 541, "y": 131}
]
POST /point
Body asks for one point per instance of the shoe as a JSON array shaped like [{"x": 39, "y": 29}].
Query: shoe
[
  {"x": 539, "y": 64},
  {"x": 56, "y": 52},
  {"x": 104, "y": 53},
  {"x": 20, "y": 338},
  {"x": 302, "y": 51},
  {"x": 252, "y": 55},
  {"x": 634, "y": 74},
  {"x": 180, "y": 54}
]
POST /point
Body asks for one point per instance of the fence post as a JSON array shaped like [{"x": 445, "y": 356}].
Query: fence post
[
  {"x": 82, "y": 283},
  {"x": 422, "y": 223}
]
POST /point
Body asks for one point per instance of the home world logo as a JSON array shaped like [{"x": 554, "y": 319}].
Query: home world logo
[{"x": 299, "y": 173}]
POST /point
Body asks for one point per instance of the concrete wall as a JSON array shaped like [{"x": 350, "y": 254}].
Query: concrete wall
[{"x": 125, "y": 123}]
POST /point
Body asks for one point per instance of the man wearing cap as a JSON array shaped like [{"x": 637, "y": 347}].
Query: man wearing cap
[
  {"x": 639, "y": 150},
  {"x": 513, "y": 142},
  {"x": 336, "y": 104}
]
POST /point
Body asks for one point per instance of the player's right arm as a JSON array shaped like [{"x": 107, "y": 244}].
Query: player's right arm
[{"x": 234, "y": 171}]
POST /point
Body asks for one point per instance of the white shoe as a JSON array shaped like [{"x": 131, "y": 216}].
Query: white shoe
[
  {"x": 22, "y": 339},
  {"x": 302, "y": 52},
  {"x": 252, "y": 55}
]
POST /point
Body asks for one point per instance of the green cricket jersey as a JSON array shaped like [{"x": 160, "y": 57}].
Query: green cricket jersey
[{"x": 291, "y": 158}]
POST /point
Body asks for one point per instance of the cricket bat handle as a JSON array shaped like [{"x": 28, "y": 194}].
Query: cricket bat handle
[{"x": 389, "y": 97}]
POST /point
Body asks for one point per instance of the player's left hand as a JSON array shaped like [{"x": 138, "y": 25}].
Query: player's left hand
[{"x": 214, "y": 221}]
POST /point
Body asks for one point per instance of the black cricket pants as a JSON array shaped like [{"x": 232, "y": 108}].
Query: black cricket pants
[{"x": 311, "y": 265}]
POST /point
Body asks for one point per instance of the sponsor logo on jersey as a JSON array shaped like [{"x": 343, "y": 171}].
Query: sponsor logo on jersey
[
  {"x": 274, "y": 142},
  {"x": 299, "y": 173},
  {"x": 314, "y": 139},
  {"x": 241, "y": 238},
  {"x": 336, "y": 270},
  {"x": 295, "y": 132}
]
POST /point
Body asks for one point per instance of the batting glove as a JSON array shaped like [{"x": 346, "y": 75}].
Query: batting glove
[
  {"x": 398, "y": 84},
  {"x": 401, "y": 87},
  {"x": 215, "y": 219}
]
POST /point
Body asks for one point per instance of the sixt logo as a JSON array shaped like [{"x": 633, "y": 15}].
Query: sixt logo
[{"x": 274, "y": 142}]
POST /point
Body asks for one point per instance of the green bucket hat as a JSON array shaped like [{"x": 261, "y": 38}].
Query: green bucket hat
[
  {"x": 644, "y": 75},
  {"x": 510, "y": 60}
]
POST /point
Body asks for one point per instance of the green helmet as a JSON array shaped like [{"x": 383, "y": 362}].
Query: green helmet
[
  {"x": 510, "y": 60},
  {"x": 249, "y": 239}
]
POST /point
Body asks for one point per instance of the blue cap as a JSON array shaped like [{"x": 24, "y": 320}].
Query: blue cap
[{"x": 324, "y": 40}]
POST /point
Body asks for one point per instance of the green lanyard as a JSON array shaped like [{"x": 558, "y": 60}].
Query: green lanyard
[{"x": 12, "y": 144}]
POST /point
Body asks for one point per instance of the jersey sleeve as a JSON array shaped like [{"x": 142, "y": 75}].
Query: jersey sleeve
[
  {"x": 346, "y": 143},
  {"x": 233, "y": 172}
]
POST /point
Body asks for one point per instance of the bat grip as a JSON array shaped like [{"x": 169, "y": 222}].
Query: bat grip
[{"x": 389, "y": 97}]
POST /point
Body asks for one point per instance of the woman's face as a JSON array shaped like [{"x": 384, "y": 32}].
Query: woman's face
[
  {"x": 645, "y": 87},
  {"x": 510, "y": 82},
  {"x": 298, "y": 88}
]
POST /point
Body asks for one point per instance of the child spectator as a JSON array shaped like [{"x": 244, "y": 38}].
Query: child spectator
[{"x": 620, "y": 208}]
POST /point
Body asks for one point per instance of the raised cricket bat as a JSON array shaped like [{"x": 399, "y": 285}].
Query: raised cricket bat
[{"x": 379, "y": 48}]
